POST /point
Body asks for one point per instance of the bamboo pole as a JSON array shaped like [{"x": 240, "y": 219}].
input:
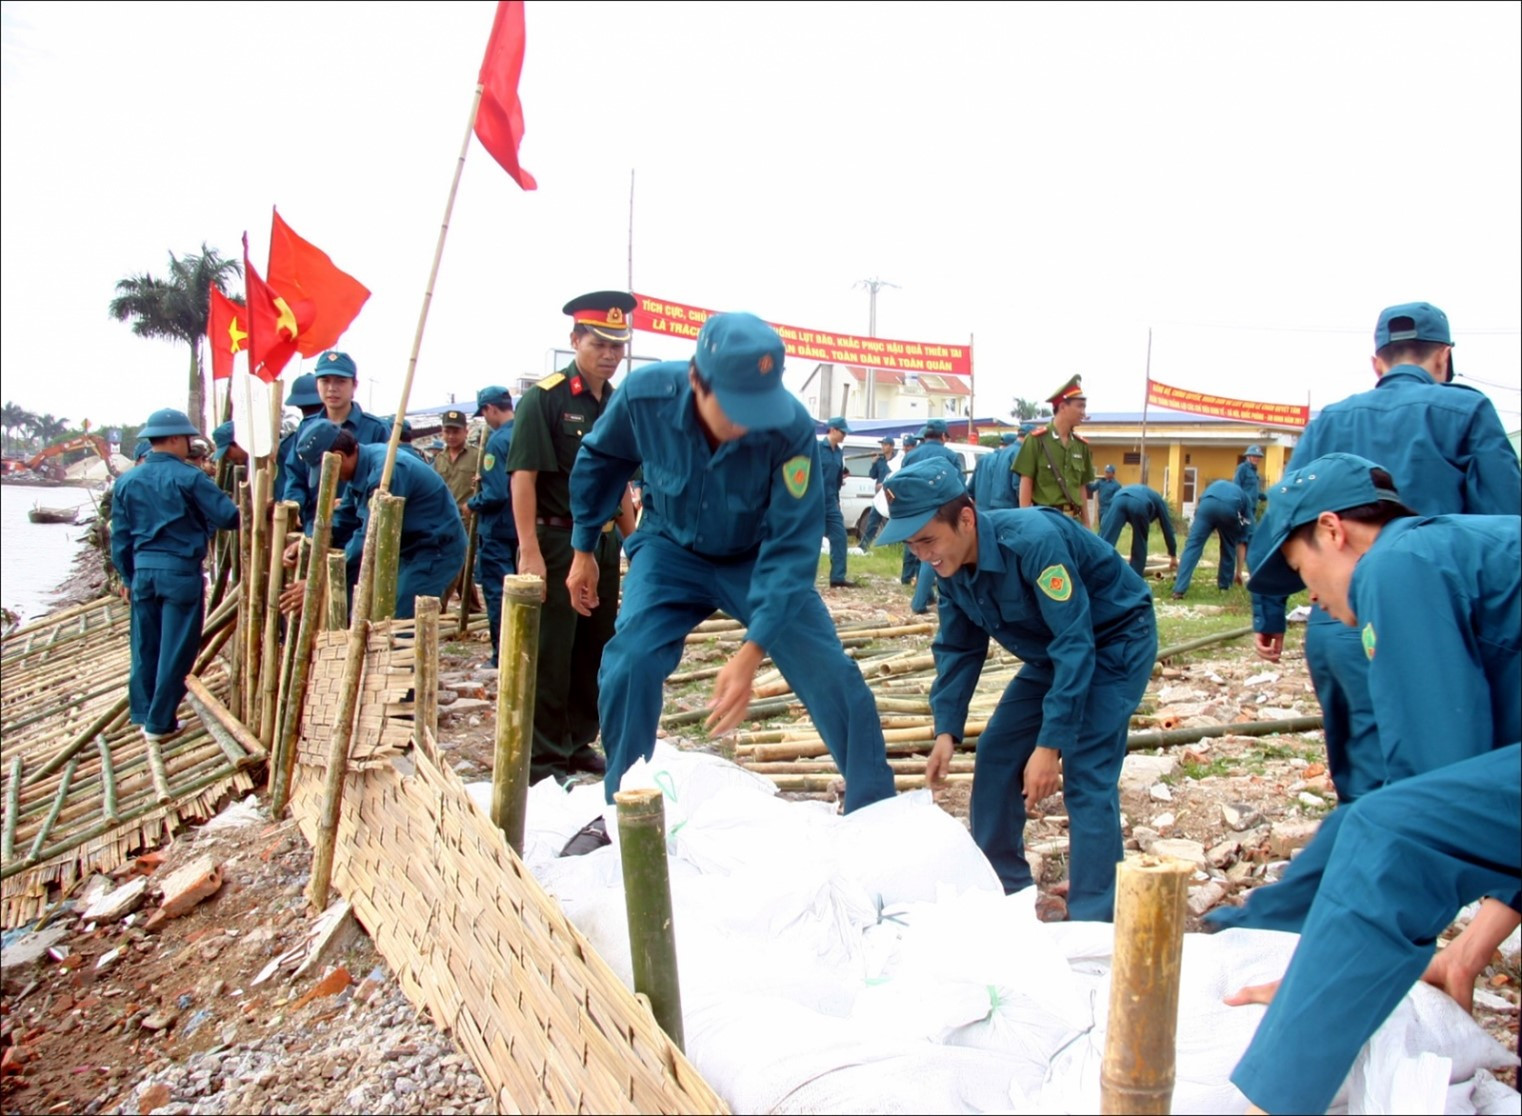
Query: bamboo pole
[
  {"x": 516, "y": 680},
  {"x": 822, "y": 784},
  {"x": 284, "y": 763},
  {"x": 388, "y": 513},
  {"x": 259, "y": 562},
  {"x": 107, "y": 778},
  {"x": 269, "y": 668},
  {"x": 156, "y": 769},
  {"x": 101, "y": 724},
  {"x": 426, "y": 671},
  {"x": 288, "y": 659},
  {"x": 343, "y": 728},
  {"x": 1136, "y": 1076},
  {"x": 12, "y": 811},
  {"x": 647, "y": 898},
  {"x": 338, "y": 591},
  {"x": 1203, "y": 641},
  {"x": 468, "y": 571},
  {"x": 52, "y": 818},
  {"x": 240, "y": 645},
  {"x": 214, "y": 715},
  {"x": 1140, "y": 740}
]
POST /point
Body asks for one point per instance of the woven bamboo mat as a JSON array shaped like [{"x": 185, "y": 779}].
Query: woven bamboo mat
[
  {"x": 472, "y": 936},
  {"x": 383, "y": 724},
  {"x": 57, "y": 677}
]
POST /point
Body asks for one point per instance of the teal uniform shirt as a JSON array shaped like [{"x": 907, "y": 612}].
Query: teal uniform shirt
[
  {"x": 880, "y": 469},
  {"x": 929, "y": 449},
  {"x": 832, "y": 473},
  {"x": 1138, "y": 505},
  {"x": 299, "y": 487},
  {"x": 162, "y": 514},
  {"x": 493, "y": 502},
  {"x": 1104, "y": 489},
  {"x": 1250, "y": 481}
]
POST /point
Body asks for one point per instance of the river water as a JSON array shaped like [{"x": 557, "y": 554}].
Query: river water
[{"x": 35, "y": 558}]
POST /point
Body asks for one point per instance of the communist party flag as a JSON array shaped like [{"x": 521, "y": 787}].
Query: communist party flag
[
  {"x": 273, "y": 324},
  {"x": 300, "y": 271},
  {"x": 227, "y": 329},
  {"x": 499, "y": 117}
]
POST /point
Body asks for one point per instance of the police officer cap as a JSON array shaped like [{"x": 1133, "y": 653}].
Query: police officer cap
[
  {"x": 494, "y": 396},
  {"x": 334, "y": 363},
  {"x": 1413, "y": 321},
  {"x": 454, "y": 418},
  {"x": 1334, "y": 482},
  {"x": 1254, "y": 451},
  {"x": 1009, "y": 438},
  {"x": 605, "y": 313},
  {"x": 1110, "y": 470},
  {"x": 167, "y": 423},
  {"x": 933, "y": 426},
  {"x": 317, "y": 440},
  {"x": 304, "y": 391},
  {"x": 222, "y": 437},
  {"x": 1073, "y": 389},
  {"x": 838, "y": 422},
  {"x": 143, "y": 448},
  {"x": 915, "y": 493},
  {"x": 740, "y": 358}
]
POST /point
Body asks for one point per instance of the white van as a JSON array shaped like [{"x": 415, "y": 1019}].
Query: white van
[{"x": 860, "y": 451}]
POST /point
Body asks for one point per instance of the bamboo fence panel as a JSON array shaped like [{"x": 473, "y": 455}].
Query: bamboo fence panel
[{"x": 383, "y": 722}]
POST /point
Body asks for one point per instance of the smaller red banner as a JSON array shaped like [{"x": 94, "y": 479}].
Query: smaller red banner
[{"x": 1219, "y": 406}]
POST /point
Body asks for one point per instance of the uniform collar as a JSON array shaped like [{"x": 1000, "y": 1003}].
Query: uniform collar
[
  {"x": 990, "y": 556},
  {"x": 1401, "y": 372}
]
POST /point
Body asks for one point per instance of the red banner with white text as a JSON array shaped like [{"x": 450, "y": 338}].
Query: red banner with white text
[
  {"x": 1218, "y": 406},
  {"x": 658, "y": 315}
]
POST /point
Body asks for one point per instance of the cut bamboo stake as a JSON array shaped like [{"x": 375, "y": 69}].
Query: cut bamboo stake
[
  {"x": 338, "y": 591},
  {"x": 269, "y": 667},
  {"x": 284, "y": 763},
  {"x": 107, "y": 778},
  {"x": 101, "y": 724},
  {"x": 388, "y": 512},
  {"x": 1203, "y": 641},
  {"x": 1136, "y": 1076},
  {"x": 647, "y": 898},
  {"x": 12, "y": 811},
  {"x": 214, "y": 715},
  {"x": 257, "y": 579},
  {"x": 240, "y": 645},
  {"x": 468, "y": 571},
  {"x": 426, "y": 683},
  {"x": 343, "y": 728},
  {"x": 1140, "y": 740},
  {"x": 288, "y": 661},
  {"x": 516, "y": 681},
  {"x": 52, "y": 818},
  {"x": 156, "y": 769}
]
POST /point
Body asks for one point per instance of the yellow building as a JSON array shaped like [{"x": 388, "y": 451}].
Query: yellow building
[{"x": 1184, "y": 453}]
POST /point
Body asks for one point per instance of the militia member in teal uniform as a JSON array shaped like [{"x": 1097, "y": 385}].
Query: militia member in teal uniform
[
  {"x": 911, "y": 565},
  {"x": 222, "y": 439},
  {"x": 162, "y": 513},
  {"x": 433, "y": 539},
  {"x": 404, "y": 445},
  {"x": 995, "y": 484},
  {"x": 335, "y": 386},
  {"x": 1139, "y": 506},
  {"x": 734, "y": 502},
  {"x": 496, "y": 529},
  {"x": 304, "y": 397},
  {"x": 1223, "y": 511},
  {"x": 1437, "y": 605},
  {"x": 832, "y": 474},
  {"x": 882, "y": 468},
  {"x": 552, "y": 418},
  {"x": 1082, "y": 624},
  {"x": 932, "y": 447},
  {"x": 1249, "y": 478},
  {"x": 1103, "y": 490},
  {"x": 1054, "y": 462}
]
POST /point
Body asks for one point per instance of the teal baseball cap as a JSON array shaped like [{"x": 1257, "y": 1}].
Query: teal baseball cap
[
  {"x": 838, "y": 422},
  {"x": 304, "y": 392},
  {"x": 493, "y": 396},
  {"x": 222, "y": 438},
  {"x": 317, "y": 440},
  {"x": 933, "y": 426},
  {"x": 1413, "y": 321},
  {"x": 1009, "y": 438},
  {"x": 740, "y": 358},
  {"x": 143, "y": 448},
  {"x": 1254, "y": 451},
  {"x": 1335, "y": 482},
  {"x": 886, "y": 441},
  {"x": 334, "y": 363},
  {"x": 911, "y": 440},
  {"x": 167, "y": 423},
  {"x": 915, "y": 493},
  {"x": 1110, "y": 470}
]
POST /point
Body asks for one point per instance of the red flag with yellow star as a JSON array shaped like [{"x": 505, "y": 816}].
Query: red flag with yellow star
[
  {"x": 227, "y": 331},
  {"x": 499, "y": 117},
  {"x": 273, "y": 324},
  {"x": 300, "y": 270}
]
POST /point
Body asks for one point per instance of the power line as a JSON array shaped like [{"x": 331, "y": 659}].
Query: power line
[{"x": 1487, "y": 383}]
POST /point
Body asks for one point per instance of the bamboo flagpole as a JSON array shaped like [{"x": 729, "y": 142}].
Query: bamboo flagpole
[{"x": 1146, "y": 398}]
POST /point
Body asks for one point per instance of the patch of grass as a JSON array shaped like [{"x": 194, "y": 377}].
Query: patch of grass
[{"x": 1218, "y": 765}]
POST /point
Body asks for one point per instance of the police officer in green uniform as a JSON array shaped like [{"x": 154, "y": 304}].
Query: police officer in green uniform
[
  {"x": 552, "y": 418},
  {"x": 162, "y": 513},
  {"x": 492, "y": 504},
  {"x": 832, "y": 474},
  {"x": 1054, "y": 462},
  {"x": 455, "y": 462}
]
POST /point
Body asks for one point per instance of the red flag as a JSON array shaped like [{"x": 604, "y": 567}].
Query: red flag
[
  {"x": 499, "y": 118},
  {"x": 273, "y": 325},
  {"x": 227, "y": 331},
  {"x": 300, "y": 271}
]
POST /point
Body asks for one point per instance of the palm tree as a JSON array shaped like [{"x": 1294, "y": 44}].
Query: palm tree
[
  {"x": 13, "y": 420},
  {"x": 47, "y": 429},
  {"x": 1027, "y": 409},
  {"x": 177, "y": 308}
]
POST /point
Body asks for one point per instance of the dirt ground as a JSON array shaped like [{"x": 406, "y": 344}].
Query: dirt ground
[{"x": 118, "y": 1019}]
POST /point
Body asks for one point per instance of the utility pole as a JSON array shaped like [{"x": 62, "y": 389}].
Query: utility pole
[{"x": 873, "y": 286}]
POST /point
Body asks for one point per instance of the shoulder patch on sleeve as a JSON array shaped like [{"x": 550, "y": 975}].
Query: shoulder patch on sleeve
[
  {"x": 553, "y": 379},
  {"x": 1055, "y": 582},
  {"x": 1368, "y": 641},
  {"x": 795, "y": 474},
  {"x": 488, "y": 463}
]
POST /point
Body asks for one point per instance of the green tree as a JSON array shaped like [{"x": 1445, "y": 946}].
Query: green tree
[
  {"x": 13, "y": 420},
  {"x": 176, "y": 308},
  {"x": 1027, "y": 409},
  {"x": 47, "y": 429}
]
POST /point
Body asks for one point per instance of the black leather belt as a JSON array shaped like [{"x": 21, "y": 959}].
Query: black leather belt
[{"x": 567, "y": 524}]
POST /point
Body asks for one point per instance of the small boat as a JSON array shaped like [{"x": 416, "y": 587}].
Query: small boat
[{"x": 40, "y": 514}]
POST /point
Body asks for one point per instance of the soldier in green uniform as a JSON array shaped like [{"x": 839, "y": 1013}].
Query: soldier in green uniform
[
  {"x": 455, "y": 462},
  {"x": 1054, "y": 463},
  {"x": 552, "y": 418}
]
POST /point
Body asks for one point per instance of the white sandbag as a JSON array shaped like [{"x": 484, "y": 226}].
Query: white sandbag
[
  {"x": 907, "y": 849},
  {"x": 932, "y": 1079}
]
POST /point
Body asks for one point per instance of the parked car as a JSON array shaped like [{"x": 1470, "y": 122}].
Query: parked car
[{"x": 856, "y": 494}]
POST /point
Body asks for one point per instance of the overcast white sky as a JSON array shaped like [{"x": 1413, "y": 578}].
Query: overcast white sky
[{"x": 1254, "y": 181}]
